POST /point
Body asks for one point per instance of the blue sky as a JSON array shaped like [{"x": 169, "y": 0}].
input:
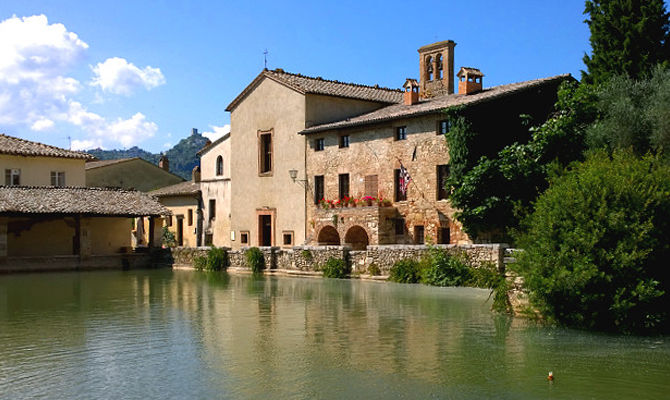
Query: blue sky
[{"x": 145, "y": 72}]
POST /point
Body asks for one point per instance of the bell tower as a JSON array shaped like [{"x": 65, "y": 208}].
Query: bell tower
[{"x": 436, "y": 64}]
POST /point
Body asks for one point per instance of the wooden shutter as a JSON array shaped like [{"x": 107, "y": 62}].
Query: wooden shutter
[{"x": 371, "y": 185}]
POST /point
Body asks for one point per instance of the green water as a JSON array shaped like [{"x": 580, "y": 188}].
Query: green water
[{"x": 165, "y": 334}]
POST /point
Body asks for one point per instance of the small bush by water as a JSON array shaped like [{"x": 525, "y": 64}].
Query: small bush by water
[
  {"x": 255, "y": 259},
  {"x": 405, "y": 271},
  {"x": 335, "y": 268},
  {"x": 439, "y": 268},
  {"x": 216, "y": 260}
]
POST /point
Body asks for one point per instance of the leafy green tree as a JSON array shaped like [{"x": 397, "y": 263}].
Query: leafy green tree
[
  {"x": 633, "y": 114},
  {"x": 493, "y": 192},
  {"x": 596, "y": 245},
  {"x": 628, "y": 37}
]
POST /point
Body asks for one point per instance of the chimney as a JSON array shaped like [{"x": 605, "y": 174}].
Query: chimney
[
  {"x": 195, "y": 174},
  {"x": 194, "y": 131},
  {"x": 411, "y": 87},
  {"x": 469, "y": 80},
  {"x": 436, "y": 69},
  {"x": 163, "y": 163}
]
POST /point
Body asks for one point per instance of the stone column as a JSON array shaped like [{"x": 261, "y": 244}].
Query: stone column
[
  {"x": 155, "y": 231},
  {"x": 4, "y": 250},
  {"x": 84, "y": 238}
]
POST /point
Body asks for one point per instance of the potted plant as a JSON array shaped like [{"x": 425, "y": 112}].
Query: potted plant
[
  {"x": 323, "y": 204},
  {"x": 367, "y": 200}
]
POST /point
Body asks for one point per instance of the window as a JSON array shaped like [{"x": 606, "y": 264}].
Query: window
[
  {"x": 401, "y": 133},
  {"x": 344, "y": 141},
  {"x": 418, "y": 234},
  {"x": 319, "y": 144},
  {"x": 444, "y": 236},
  {"x": 57, "y": 178},
  {"x": 443, "y": 127},
  {"x": 442, "y": 175},
  {"x": 429, "y": 68},
  {"x": 440, "y": 69},
  {"x": 168, "y": 219},
  {"x": 399, "y": 226},
  {"x": 190, "y": 217},
  {"x": 244, "y": 237},
  {"x": 344, "y": 185},
  {"x": 212, "y": 209},
  {"x": 12, "y": 177},
  {"x": 371, "y": 185},
  {"x": 287, "y": 238},
  {"x": 318, "y": 188},
  {"x": 265, "y": 153},
  {"x": 219, "y": 165},
  {"x": 399, "y": 195},
  {"x": 209, "y": 239}
]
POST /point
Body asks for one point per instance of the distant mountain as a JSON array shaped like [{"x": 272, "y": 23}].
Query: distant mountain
[{"x": 182, "y": 156}]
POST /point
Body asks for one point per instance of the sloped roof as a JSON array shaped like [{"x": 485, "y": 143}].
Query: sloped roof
[
  {"x": 188, "y": 188},
  {"x": 212, "y": 144},
  {"x": 436, "y": 104},
  {"x": 77, "y": 200},
  {"x": 22, "y": 147},
  {"x": 307, "y": 84},
  {"x": 104, "y": 163}
]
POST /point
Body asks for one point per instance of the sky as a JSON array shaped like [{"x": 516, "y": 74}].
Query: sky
[{"x": 117, "y": 74}]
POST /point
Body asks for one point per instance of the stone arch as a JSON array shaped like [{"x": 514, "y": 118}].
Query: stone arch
[
  {"x": 357, "y": 237},
  {"x": 328, "y": 236}
]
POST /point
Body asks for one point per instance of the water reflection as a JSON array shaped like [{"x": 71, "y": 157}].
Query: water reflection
[{"x": 164, "y": 334}]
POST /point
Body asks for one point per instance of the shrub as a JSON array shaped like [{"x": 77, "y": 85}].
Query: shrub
[
  {"x": 199, "y": 262},
  {"x": 442, "y": 269},
  {"x": 335, "y": 268},
  {"x": 596, "y": 245},
  {"x": 217, "y": 259},
  {"x": 405, "y": 271},
  {"x": 374, "y": 270},
  {"x": 255, "y": 259},
  {"x": 167, "y": 238}
]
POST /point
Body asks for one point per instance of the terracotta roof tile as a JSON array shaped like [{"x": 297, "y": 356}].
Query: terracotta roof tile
[
  {"x": 307, "y": 84},
  {"x": 77, "y": 200},
  {"x": 22, "y": 147},
  {"x": 435, "y": 104},
  {"x": 188, "y": 188}
]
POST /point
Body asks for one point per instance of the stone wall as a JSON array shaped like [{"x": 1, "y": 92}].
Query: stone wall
[{"x": 375, "y": 260}]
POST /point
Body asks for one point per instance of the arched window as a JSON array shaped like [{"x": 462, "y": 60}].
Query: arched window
[
  {"x": 440, "y": 70},
  {"x": 219, "y": 165},
  {"x": 429, "y": 68}
]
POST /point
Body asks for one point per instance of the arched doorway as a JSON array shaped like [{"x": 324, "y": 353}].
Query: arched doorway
[
  {"x": 328, "y": 236},
  {"x": 357, "y": 238}
]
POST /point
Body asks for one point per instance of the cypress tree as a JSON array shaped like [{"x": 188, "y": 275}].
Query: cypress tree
[{"x": 628, "y": 37}]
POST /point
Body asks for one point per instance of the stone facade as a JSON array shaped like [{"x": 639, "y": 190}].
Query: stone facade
[{"x": 375, "y": 151}]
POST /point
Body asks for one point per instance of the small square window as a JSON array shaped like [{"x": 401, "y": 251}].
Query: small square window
[
  {"x": 287, "y": 238},
  {"x": 58, "y": 178},
  {"x": 244, "y": 237},
  {"x": 401, "y": 133},
  {"x": 344, "y": 141},
  {"x": 443, "y": 127},
  {"x": 319, "y": 144},
  {"x": 12, "y": 177}
]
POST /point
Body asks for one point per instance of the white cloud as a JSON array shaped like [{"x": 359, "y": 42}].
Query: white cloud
[
  {"x": 36, "y": 91},
  {"x": 116, "y": 75},
  {"x": 217, "y": 132},
  {"x": 42, "y": 124},
  {"x": 167, "y": 145},
  {"x": 86, "y": 144},
  {"x": 34, "y": 56}
]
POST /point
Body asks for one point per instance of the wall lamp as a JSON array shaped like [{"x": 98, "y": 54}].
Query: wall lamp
[{"x": 293, "y": 173}]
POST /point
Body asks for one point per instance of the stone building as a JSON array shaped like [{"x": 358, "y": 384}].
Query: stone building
[
  {"x": 215, "y": 186},
  {"x": 368, "y": 154},
  {"x": 48, "y": 219},
  {"x": 130, "y": 173},
  {"x": 184, "y": 200},
  {"x": 268, "y": 197}
]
